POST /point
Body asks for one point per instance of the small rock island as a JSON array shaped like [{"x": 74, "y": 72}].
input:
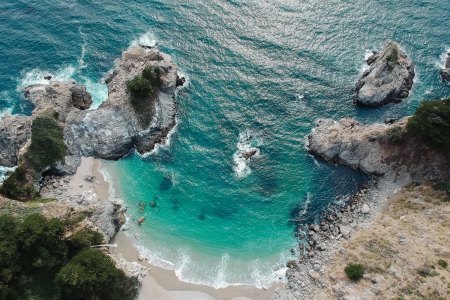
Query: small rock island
[{"x": 389, "y": 77}]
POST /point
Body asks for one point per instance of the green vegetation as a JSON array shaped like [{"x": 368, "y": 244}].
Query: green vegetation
[
  {"x": 17, "y": 186},
  {"x": 354, "y": 271},
  {"x": 443, "y": 186},
  {"x": 47, "y": 146},
  {"x": 143, "y": 89},
  {"x": 37, "y": 262},
  {"x": 85, "y": 238},
  {"x": 393, "y": 53},
  {"x": 93, "y": 275},
  {"x": 431, "y": 123},
  {"x": 395, "y": 134},
  {"x": 47, "y": 143},
  {"x": 443, "y": 263}
]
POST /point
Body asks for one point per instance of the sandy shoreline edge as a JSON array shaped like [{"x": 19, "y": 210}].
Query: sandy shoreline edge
[{"x": 158, "y": 282}]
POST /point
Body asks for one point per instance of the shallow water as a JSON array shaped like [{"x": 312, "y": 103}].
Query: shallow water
[{"x": 260, "y": 73}]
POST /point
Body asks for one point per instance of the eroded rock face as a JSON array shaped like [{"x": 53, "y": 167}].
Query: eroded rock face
[
  {"x": 368, "y": 148},
  {"x": 15, "y": 132},
  {"x": 109, "y": 132},
  {"x": 389, "y": 77},
  {"x": 445, "y": 72}
]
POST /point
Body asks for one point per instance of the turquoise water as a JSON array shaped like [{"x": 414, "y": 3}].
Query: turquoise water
[{"x": 260, "y": 73}]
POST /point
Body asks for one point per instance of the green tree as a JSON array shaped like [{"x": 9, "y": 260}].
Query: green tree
[
  {"x": 9, "y": 266},
  {"x": 47, "y": 143},
  {"x": 431, "y": 123},
  {"x": 17, "y": 186},
  {"x": 139, "y": 87},
  {"x": 92, "y": 275},
  {"x": 153, "y": 75},
  {"x": 84, "y": 239},
  {"x": 41, "y": 244}
]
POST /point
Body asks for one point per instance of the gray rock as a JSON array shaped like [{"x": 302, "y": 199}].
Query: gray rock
[
  {"x": 314, "y": 275},
  {"x": 80, "y": 97},
  {"x": 346, "y": 142},
  {"x": 445, "y": 72},
  {"x": 365, "y": 209},
  {"x": 345, "y": 230},
  {"x": 388, "y": 79},
  {"x": 15, "y": 133}
]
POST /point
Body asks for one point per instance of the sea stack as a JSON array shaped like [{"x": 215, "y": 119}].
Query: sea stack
[
  {"x": 445, "y": 72},
  {"x": 389, "y": 77}
]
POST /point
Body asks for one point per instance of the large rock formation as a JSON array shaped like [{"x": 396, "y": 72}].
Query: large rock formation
[
  {"x": 109, "y": 132},
  {"x": 389, "y": 77},
  {"x": 374, "y": 149},
  {"x": 445, "y": 72}
]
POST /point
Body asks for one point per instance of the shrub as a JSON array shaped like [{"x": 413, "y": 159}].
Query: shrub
[
  {"x": 17, "y": 186},
  {"x": 431, "y": 123},
  {"x": 92, "y": 274},
  {"x": 47, "y": 143},
  {"x": 393, "y": 53},
  {"x": 354, "y": 271},
  {"x": 139, "y": 87},
  {"x": 395, "y": 134},
  {"x": 84, "y": 239},
  {"x": 443, "y": 263},
  {"x": 153, "y": 75}
]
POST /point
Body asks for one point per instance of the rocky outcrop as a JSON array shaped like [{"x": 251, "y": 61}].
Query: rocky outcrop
[
  {"x": 445, "y": 72},
  {"x": 15, "y": 132},
  {"x": 80, "y": 97},
  {"x": 109, "y": 132},
  {"x": 389, "y": 77},
  {"x": 373, "y": 150}
]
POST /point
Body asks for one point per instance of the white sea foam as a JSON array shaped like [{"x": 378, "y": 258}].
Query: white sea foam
[
  {"x": 365, "y": 66},
  {"x": 81, "y": 62},
  {"x": 247, "y": 142},
  {"x": 98, "y": 91},
  {"x": 36, "y": 76},
  {"x": 440, "y": 63},
  {"x": 4, "y": 171},
  {"x": 148, "y": 39}
]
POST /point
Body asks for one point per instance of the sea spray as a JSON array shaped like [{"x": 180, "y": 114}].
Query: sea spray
[{"x": 248, "y": 142}]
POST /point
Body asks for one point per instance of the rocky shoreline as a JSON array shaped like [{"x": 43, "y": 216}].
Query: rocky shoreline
[
  {"x": 319, "y": 242},
  {"x": 109, "y": 132}
]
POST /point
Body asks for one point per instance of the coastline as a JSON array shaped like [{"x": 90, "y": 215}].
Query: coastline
[{"x": 158, "y": 283}]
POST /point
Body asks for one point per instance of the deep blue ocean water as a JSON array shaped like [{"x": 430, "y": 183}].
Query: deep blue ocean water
[{"x": 259, "y": 73}]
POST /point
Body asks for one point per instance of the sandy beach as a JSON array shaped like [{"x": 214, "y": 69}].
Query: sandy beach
[{"x": 158, "y": 283}]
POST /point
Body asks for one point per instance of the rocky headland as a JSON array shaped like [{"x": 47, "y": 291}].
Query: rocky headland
[
  {"x": 109, "y": 132},
  {"x": 445, "y": 72},
  {"x": 375, "y": 226},
  {"x": 389, "y": 77}
]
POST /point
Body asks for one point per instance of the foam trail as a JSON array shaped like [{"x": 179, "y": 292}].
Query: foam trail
[{"x": 81, "y": 62}]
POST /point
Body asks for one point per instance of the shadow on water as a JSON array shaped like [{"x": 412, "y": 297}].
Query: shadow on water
[{"x": 332, "y": 183}]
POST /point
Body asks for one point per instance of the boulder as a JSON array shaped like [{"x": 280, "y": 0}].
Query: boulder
[
  {"x": 81, "y": 99},
  {"x": 389, "y": 77},
  {"x": 365, "y": 208},
  {"x": 445, "y": 72}
]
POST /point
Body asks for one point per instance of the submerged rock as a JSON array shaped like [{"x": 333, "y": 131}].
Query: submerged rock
[
  {"x": 445, "y": 72},
  {"x": 389, "y": 77}
]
